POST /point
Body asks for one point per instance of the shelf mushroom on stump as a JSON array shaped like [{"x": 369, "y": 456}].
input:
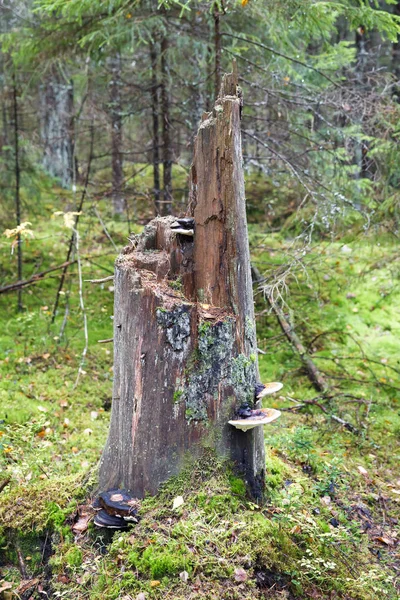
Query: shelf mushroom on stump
[
  {"x": 185, "y": 352},
  {"x": 248, "y": 418},
  {"x": 116, "y": 509}
]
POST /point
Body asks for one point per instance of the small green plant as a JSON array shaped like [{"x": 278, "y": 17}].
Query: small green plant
[
  {"x": 176, "y": 284},
  {"x": 178, "y": 396},
  {"x": 204, "y": 327}
]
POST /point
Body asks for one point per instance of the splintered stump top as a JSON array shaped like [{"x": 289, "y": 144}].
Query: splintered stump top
[{"x": 184, "y": 332}]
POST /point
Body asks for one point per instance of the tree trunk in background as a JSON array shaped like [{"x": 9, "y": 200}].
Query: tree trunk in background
[
  {"x": 57, "y": 127},
  {"x": 4, "y": 135},
  {"x": 184, "y": 361},
  {"x": 17, "y": 172},
  {"x": 361, "y": 146},
  {"x": 396, "y": 59},
  {"x": 118, "y": 200},
  {"x": 156, "y": 141},
  {"x": 166, "y": 206},
  {"x": 217, "y": 50}
]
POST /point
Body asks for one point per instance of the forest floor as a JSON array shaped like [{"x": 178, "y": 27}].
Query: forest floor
[{"x": 329, "y": 527}]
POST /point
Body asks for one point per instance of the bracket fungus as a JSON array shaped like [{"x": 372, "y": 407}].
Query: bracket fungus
[
  {"x": 183, "y": 226},
  {"x": 265, "y": 416},
  {"x": 117, "y": 509},
  {"x": 248, "y": 418},
  {"x": 265, "y": 389},
  {"x": 103, "y": 519}
]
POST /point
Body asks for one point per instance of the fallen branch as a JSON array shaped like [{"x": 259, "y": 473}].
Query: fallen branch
[
  {"x": 105, "y": 341},
  {"x": 38, "y": 277},
  {"x": 21, "y": 563},
  {"x": 103, "y": 280},
  {"x": 311, "y": 368},
  {"x": 305, "y": 403}
]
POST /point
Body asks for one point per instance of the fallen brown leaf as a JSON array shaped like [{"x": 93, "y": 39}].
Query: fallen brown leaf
[
  {"x": 26, "y": 585},
  {"x": 5, "y": 585},
  {"x": 385, "y": 540},
  {"x": 240, "y": 574},
  {"x": 82, "y": 524}
]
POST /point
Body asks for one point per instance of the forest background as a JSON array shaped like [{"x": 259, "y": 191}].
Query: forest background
[{"x": 100, "y": 103}]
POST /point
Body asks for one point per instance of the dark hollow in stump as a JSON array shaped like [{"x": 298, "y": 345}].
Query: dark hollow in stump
[{"x": 185, "y": 353}]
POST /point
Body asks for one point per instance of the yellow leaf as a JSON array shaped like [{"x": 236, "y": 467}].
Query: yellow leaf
[
  {"x": 22, "y": 230},
  {"x": 244, "y": 2},
  {"x": 69, "y": 217}
]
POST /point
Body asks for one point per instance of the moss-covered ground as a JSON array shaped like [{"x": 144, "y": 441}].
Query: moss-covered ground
[{"x": 329, "y": 526}]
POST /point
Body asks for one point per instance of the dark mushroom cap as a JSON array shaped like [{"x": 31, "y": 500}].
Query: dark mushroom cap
[
  {"x": 183, "y": 223},
  {"x": 103, "y": 519},
  {"x": 258, "y": 388},
  {"x": 119, "y": 502},
  {"x": 187, "y": 222},
  {"x": 244, "y": 412}
]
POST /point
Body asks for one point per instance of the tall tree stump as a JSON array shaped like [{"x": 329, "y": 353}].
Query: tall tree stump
[{"x": 185, "y": 354}]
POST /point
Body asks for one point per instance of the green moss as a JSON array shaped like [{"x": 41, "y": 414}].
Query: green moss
[
  {"x": 74, "y": 557},
  {"x": 162, "y": 560},
  {"x": 238, "y": 487},
  {"x": 33, "y": 506}
]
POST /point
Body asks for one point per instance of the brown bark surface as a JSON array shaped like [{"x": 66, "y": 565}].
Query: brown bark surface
[{"x": 185, "y": 344}]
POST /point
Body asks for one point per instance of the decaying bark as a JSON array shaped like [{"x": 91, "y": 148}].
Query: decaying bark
[{"x": 185, "y": 354}]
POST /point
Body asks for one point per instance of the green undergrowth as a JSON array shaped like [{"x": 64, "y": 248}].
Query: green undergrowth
[{"x": 218, "y": 544}]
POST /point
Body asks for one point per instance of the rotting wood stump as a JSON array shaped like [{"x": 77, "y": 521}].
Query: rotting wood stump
[{"x": 185, "y": 353}]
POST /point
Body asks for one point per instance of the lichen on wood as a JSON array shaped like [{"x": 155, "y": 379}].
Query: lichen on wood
[
  {"x": 212, "y": 368},
  {"x": 177, "y": 326}
]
